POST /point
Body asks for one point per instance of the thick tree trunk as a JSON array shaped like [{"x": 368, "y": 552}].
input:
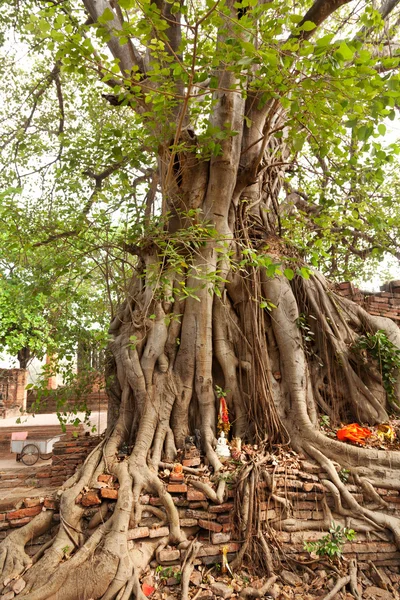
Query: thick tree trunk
[{"x": 212, "y": 318}]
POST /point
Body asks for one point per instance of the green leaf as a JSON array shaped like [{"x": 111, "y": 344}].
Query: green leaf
[
  {"x": 107, "y": 16},
  {"x": 307, "y": 26},
  {"x": 289, "y": 273},
  {"x": 346, "y": 52}
]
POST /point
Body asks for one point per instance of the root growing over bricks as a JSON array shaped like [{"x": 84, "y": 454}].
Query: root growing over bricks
[{"x": 165, "y": 392}]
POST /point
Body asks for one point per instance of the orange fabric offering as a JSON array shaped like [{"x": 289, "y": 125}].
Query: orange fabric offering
[{"x": 353, "y": 433}]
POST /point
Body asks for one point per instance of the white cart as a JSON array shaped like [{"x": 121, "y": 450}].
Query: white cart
[{"x": 29, "y": 451}]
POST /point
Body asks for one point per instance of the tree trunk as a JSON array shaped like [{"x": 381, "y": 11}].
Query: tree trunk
[{"x": 211, "y": 316}]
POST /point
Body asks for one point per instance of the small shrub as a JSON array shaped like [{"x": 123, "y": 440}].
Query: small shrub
[{"x": 331, "y": 545}]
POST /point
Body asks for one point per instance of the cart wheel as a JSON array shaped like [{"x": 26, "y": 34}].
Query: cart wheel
[{"x": 30, "y": 454}]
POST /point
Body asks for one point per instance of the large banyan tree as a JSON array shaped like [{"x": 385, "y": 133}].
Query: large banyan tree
[{"x": 254, "y": 134}]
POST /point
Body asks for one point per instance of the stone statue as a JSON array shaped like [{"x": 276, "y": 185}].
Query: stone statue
[{"x": 222, "y": 448}]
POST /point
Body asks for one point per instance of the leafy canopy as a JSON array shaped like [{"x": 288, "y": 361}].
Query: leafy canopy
[{"x": 80, "y": 184}]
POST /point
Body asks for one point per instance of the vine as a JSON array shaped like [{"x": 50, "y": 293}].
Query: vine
[{"x": 379, "y": 347}]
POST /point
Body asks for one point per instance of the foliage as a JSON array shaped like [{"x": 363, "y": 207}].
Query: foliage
[
  {"x": 331, "y": 545},
  {"x": 344, "y": 475},
  {"x": 80, "y": 196},
  {"x": 380, "y": 348}
]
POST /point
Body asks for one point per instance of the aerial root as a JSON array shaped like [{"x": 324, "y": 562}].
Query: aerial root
[
  {"x": 250, "y": 592},
  {"x": 14, "y": 561},
  {"x": 341, "y": 583},
  {"x": 353, "y": 579},
  {"x": 188, "y": 566}
]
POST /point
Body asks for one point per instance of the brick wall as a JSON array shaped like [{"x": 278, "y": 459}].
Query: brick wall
[
  {"x": 385, "y": 303},
  {"x": 214, "y": 524},
  {"x": 68, "y": 454},
  {"x": 12, "y": 389}
]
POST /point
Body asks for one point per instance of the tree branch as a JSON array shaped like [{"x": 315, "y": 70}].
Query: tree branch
[
  {"x": 318, "y": 13},
  {"x": 127, "y": 54}
]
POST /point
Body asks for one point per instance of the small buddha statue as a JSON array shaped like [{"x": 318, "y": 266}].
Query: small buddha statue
[{"x": 222, "y": 448}]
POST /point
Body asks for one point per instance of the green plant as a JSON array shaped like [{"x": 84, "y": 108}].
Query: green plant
[
  {"x": 344, "y": 475},
  {"x": 325, "y": 421},
  {"x": 220, "y": 392},
  {"x": 331, "y": 545},
  {"x": 379, "y": 347},
  {"x": 165, "y": 573}
]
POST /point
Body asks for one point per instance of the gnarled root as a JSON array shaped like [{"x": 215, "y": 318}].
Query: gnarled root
[
  {"x": 250, "y": 592},
  {"x": 13, "y": 559}
]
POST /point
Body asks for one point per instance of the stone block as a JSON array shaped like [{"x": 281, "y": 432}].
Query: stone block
[{"x": 50, "y": 504}]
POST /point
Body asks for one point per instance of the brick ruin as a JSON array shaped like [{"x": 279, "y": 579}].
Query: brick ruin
[
  {"x": 12, "y": 391},
  {"x": 385, "y": 303},
  {"x": 297, "y": 483}
]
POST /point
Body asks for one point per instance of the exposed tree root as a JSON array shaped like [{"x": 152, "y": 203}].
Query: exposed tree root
[
  {"x": 250, "y": 592},
  {"x": 166, "y": 391},
  {"x": 340, "y": 584}
]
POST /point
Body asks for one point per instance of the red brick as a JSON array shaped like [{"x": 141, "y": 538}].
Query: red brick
[
  {"x": 159, "y": 532},
  {"x": 2, "y": 517},
  {"x": 188, "y": 522},
  {"x": 109, "y": 493},
  {"x": 220, "y": 508},
  {"x": 195, "y": 495},
  {"x": 156, "y": 501},
  {"x": 227, "y": 527},
  {"x": 51, "y": 504},
  {"x": 210, "y": 525},
  {"x": 20, "y": 522},
  {"x": 177, "y": 488},
  {"x": 168, "y": 555},
  {"x": 24, "y": 512},
  {"x": 220, "y": 538},
  {"x": 29, "y": 502},
  {"x": 138, "y": 532},
  {"x": 224, "y": 518},
  {"x": 191, "y": 462},
  {"x": 211, "y": 550},
  {"x": 104, "y": 478},
  {"x": 177, "y": 477},
  {"x": 90, "y": 499},
  {"x": 200, "y": 514}
]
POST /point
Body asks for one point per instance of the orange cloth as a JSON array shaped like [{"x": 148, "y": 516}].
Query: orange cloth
[
  {"x": 223, "y": 417},
  {"x": 353, "y": 433}
]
